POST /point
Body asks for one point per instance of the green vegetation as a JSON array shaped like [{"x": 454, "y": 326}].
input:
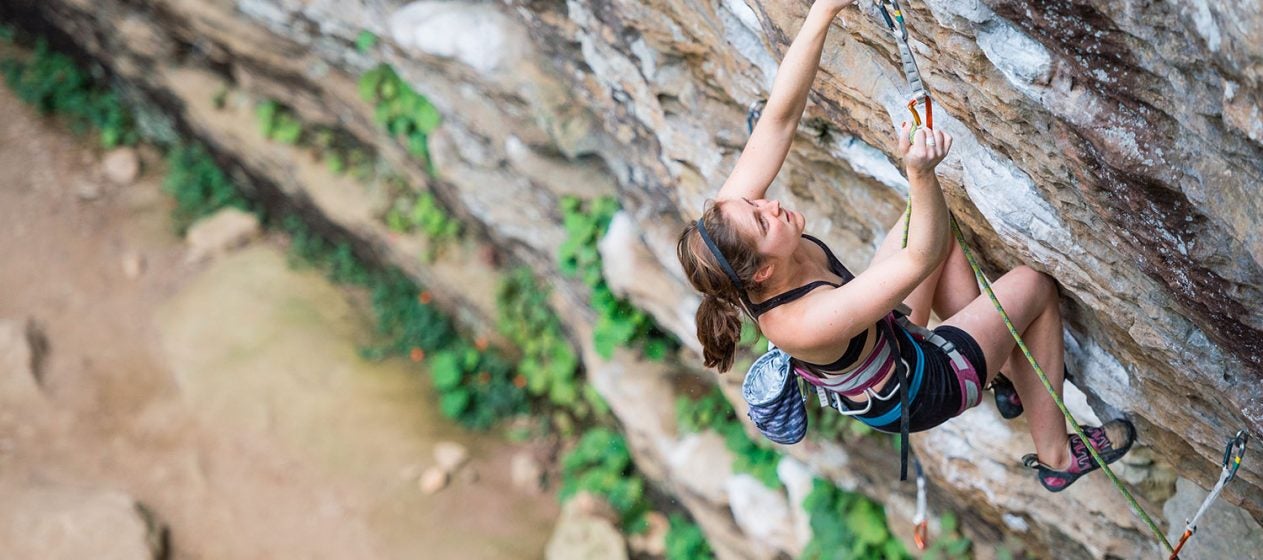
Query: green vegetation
[
  {"x": 406, "y": 114},
  {"x": 618, "y": 322},
  {"x": 7, "y": 33},
  {"x": 713, "y": 412},
  {"x": 365, "y": 41},
  {"x": 478, "y": 388},
  {"x": 279, "y": 123},
  {"x": 951, "y": 544},
  {"x": 198, "y": 185},
  {"x": 601, "y": 464},
  {"x": 548, "y": 361},
  {"x": 424, "y": 214},
  {"x": 848, "y": 526},
  {"x": 54, "y": 84},
  {"x": 685, "y": 540}
]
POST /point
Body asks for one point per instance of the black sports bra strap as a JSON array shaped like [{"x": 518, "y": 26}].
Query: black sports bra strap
[
  {"x": 779, "y": 299},
  {"x": 834, "y": 263}
]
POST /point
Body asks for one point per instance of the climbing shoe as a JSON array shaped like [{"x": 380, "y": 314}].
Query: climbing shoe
[
  {"x": 1006, "y": 398},
  {"x": 1112, "y": 441}
]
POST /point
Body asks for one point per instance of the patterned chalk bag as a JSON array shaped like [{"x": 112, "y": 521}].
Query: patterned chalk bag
[{"x": 777, "y": 404}]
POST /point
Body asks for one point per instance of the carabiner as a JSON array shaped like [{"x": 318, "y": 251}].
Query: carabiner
[
  {"x": 1235, "y": 452},
  {"x": 895, "y": 24}
]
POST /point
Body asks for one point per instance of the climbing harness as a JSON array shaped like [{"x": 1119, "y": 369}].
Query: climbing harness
[
  {"x": 899, "y": 30},
  {"x": 920, "y": 534},
  {"x": 1233, "y": 453}
]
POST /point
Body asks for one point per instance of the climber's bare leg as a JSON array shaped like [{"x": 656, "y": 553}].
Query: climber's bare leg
[{"x": 1030, "y": 299}]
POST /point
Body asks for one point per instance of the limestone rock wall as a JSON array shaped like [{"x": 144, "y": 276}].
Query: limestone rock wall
[{"x": 1116, "y": 146}]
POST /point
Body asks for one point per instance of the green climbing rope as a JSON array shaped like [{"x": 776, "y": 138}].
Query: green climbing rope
[
  {"x": 896, "y": 24},
  {"x": 986, "y": 285}
]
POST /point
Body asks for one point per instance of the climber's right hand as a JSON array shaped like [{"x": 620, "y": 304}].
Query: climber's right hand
[{"x": 924, "y": 151}]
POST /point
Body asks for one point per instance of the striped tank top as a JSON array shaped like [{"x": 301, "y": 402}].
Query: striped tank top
[{"x": 841, "y": 375}]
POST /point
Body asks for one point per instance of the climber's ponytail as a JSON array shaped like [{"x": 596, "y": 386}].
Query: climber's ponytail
[
  {"x": 724, "y": 300},
  {"x": 718, "y": 329}
]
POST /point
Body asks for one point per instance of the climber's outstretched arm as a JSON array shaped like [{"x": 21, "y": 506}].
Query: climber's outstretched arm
[{"x": 769, "y": 143}]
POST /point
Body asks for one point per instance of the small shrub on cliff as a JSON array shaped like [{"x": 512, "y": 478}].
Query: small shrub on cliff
[
  {"x": 54, "y": 84},
  {"x": 423, "y": 214},
  {"x": 477, "y": 388},
  {"x": 619, "y": 323},
  {"x": 549, "y": 365},
  {"x": 365, "y": 41},
  {"x": 399, "y": 109},
  {"x": 277, "y": 122},
  {"x": 198, "y": 185},
  {"x": 685, "y": 540},
  {"x": 846, "y": 525},
  {"x": 601, "y": 464}
]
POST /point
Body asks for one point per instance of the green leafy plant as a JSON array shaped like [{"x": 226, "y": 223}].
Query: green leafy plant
[
  {"x": 336, "y": 259},
  {"x": 408, "y": 115},
  {"x": 601, "y": 464},
  {"x": 198, "y": 185},
  {"x": 618, "y": 322},
  {"x": 685, "y": 540},
  {"x": 422, "y": 213},
  {"x": 477, "y": 388},
  {"x": 278, "y": 122},
  {"x": 54, "y": 84},
  {"x": 365, "y": 41},
  {"x": 846, "y": 526},
  {"x": 951, "y": 544},
  {"x": 548, "y": 362}
]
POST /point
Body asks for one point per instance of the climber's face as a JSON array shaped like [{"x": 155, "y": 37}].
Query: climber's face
[{"x": 773, "y": 230}]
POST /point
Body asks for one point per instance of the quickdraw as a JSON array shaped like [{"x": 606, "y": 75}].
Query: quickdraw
[
  {"x": 920, "y": 535},
  {"x": 1233, "y": 454},
  {"x": 893, "y": 16}
]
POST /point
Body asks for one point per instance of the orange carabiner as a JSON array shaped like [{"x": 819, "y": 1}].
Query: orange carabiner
[
  {"x": 916, "y": 117},
  {"x": 920, "y": 536}
]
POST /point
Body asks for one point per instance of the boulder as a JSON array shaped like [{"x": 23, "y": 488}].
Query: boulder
[
  {"x": 449, "y": 455},
  {"x": 220, "y": 232},
  {"x": 121, "y": 166},
  {"x": 69, "y": 522},
  {"x": 581, "y": 535},
  {"x": 526, "y": 472}
]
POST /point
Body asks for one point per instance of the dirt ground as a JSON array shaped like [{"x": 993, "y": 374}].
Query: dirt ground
[{"x": 131, "y": 404}]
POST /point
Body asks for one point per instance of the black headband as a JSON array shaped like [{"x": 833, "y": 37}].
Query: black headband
[{"x": 723, "y": 263}]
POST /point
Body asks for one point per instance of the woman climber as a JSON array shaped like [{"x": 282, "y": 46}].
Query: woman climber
[{"x": 749, "y": 254}]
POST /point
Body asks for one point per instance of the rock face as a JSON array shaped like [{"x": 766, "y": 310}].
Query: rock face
[{"x": 1117, "y": 149}]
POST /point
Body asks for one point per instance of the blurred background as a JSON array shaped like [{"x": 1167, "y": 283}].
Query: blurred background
[{"x": 386, "y": 279}]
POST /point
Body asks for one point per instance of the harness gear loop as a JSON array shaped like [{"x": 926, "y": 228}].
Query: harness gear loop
[
  {"x": 900, "y": 32},
  {"x": 1233, "y": 453},
  {"x": 920, "y": 534}
]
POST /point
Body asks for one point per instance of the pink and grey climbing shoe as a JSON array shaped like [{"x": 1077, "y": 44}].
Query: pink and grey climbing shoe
[{"x": 1112, "y": 441}]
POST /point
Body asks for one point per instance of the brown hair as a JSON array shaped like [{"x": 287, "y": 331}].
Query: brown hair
[{"x": 719, "y": 316}]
